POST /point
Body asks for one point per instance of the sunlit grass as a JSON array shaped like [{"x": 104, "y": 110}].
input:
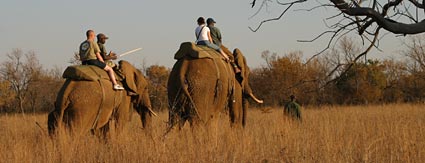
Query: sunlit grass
[{"x": 384, "y": 133}]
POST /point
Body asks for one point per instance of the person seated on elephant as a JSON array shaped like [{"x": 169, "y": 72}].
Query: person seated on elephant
[
  {"x": 203, "y": 37},
  {"x": 107, "y": 57},
  {"x": 90, "y": 55},
  {"x": 215, "y": 32}
]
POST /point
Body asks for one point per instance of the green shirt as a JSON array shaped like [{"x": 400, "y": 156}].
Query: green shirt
[
  {"x": 88, "y": 50},
  {"x": 215, "y": 35},
  {"x": 102, "y": 49},
  {"x": 293, "y": 109}
]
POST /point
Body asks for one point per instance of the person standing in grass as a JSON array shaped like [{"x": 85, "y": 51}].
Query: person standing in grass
[{"x": 292, "y": 109}]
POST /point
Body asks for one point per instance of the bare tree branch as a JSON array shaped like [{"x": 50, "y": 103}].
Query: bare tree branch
[
  {"x": 264, "y": 3},
  {"x": 417, "y": 4},
  {"x": 277, "y": 18},
  {"x": 387, "y": 24}
]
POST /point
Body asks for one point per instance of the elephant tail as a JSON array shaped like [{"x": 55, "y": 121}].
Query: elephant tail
[
  {"x": 181, "y": 104},
  {"x": 56, "y": 117},
  {"x": 186, "y": 99}
]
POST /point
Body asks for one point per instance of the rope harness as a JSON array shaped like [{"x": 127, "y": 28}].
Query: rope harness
[{"x": 99, "y": 111}]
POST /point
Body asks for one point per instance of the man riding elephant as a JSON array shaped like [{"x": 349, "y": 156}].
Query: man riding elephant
[
  {"x": 107, "y": 57},
  {"x": 201, "y": 84},
  {"x": 85, "y": 103},
  {"x": 215, "y": 32},
  {"x": 90, "y": 55},
  {"x": 203, "y": 37}
]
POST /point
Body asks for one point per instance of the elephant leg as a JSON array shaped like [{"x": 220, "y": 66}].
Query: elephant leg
[
  {"x": 55, "y": 120},
  {"x": 52, "y": 122},
  {"x": 103, "y": 132},
  {"x": 146, "y": 118},
  {"x": 235, "y": 105},
  {"x": 245, "y": 105},
  {"x": 121, "y": 118},
  {"x": 232, "y": 112}
]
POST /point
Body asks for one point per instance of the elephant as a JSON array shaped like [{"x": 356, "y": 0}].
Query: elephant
[
  {"x": 83, "y": 106},
  {"x": 198, "y": 89},
  {"x": 242, "y": 91}
]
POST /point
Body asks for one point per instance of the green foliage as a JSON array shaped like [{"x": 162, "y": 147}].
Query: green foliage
[{"x": 284, "y": 76}]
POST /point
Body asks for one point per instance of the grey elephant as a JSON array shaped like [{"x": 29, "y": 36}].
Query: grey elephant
[
  {"x": 200, "y": 86},
  {"x": 238, "y": 108},
  {"x": 82, "y": 106}
]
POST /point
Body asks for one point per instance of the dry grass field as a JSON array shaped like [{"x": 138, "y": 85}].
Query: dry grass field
[{"x": 384, "y": 133}]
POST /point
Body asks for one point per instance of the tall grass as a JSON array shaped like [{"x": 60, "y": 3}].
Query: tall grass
[{"x": 387, "y": 133}]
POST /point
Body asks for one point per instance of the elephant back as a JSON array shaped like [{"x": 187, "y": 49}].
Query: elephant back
[
  {"x": 190, "y": 49},
  {"x": 86, "y": 72}
]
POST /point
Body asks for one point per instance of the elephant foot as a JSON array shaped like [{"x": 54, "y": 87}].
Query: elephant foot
[{"x": 256, "y": 99}]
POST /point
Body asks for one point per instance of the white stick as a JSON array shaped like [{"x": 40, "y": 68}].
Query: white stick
[{"x": 129, "y": 52}]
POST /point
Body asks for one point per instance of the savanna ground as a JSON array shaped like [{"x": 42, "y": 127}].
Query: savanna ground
[{"x": 384, "y": 133}]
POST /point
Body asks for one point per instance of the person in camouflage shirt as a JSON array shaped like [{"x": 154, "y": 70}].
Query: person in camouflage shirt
[{"x": 292, "y": 109}]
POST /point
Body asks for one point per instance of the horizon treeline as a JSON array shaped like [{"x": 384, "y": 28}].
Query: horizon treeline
[{"x": 334, "y": 78}]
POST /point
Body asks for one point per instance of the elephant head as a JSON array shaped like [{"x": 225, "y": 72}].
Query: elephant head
[
  {"x": 136, "y": 86},
  {"x": 243, "y": 77}
]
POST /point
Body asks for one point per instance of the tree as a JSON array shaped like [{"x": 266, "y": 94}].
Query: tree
[
  {"x": 414, "y": 82},
  {"x": 395, "y": 72},
  {"x": 6, "y": 95},
  {"x": 20, "y": 71},
  {"x": 75, "y": 59},
  {"x": 286, "y": 75},
  {"x": 368, "y": 18},
  {"x": 416, "y": 53},
  {"x": 43, "y": 92},
  {"x": 362, "y": 84},
  {"x": 158, "y": 78}
]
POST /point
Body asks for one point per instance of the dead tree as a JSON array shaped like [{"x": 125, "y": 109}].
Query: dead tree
[
  {"x": 20, "y": 71},
  {"x": 367, "y": 18}
]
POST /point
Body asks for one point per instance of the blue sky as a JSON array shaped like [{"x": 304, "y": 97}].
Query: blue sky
[{"x": 54, "y": 29}]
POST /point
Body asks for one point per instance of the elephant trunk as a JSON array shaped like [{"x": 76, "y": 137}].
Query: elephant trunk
[{"x": 144, "y": 109}]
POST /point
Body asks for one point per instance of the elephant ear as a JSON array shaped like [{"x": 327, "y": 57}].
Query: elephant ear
[
  {"x": 130, "y": 77},
  {"x": 241, "y": 62}
]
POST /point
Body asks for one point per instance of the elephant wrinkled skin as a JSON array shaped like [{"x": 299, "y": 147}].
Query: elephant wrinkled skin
[
  {"x": 242, "y": 91},
  {"x": 83, "y": 106},
  {"x": 198, "y": 89}
]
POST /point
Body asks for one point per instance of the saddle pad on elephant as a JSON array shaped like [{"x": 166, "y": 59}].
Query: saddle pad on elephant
[
  {"x": 195, "y": 51},
  {"x": 86, "y": 72}
]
